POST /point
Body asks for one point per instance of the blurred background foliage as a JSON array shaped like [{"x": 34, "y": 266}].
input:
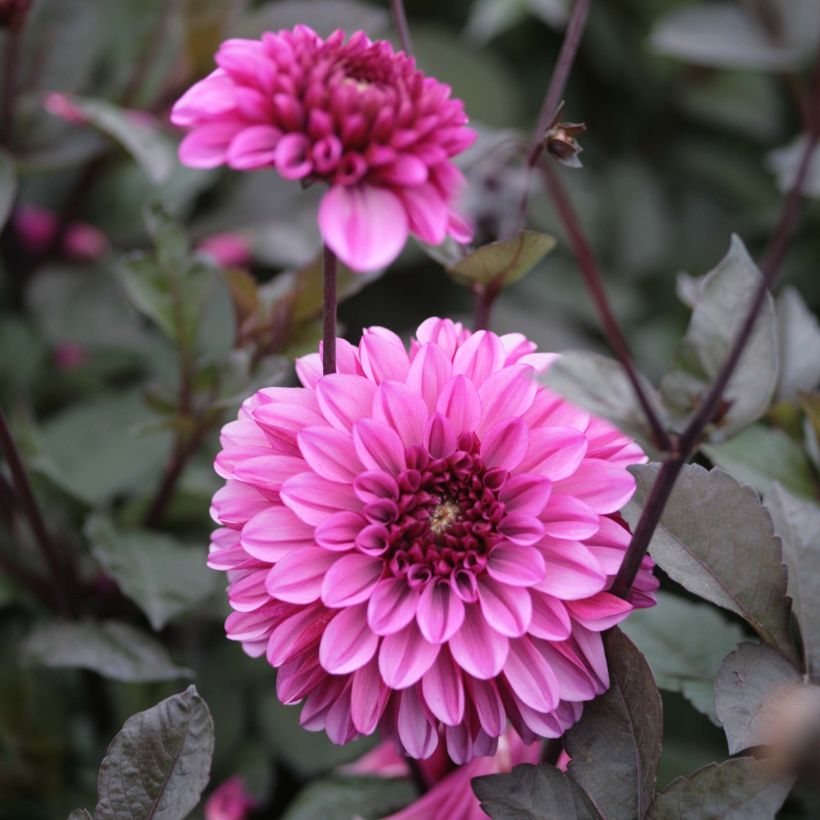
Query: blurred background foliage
[{"x": 140, "y": 301}]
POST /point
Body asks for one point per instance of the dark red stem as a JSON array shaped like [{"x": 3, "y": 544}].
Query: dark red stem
[
  {"x": 329, "y": 266},
  {"x": 403, "y": 29}
]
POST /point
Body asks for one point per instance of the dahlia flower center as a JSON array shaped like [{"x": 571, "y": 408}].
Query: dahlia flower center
[{"x": 445, "y": 521}]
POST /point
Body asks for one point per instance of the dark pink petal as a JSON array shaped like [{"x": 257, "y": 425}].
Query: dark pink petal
[
  {"x": 550, "y": 619},
  {"x": 339, "y": 721},
  {"x": 417, "y": 732},
  {"x": 460, "y": 404},
  {"x": 554, "y": 452},
  {"x": 206, "y": 99},
  {"x": 440, "y": 612},
  {"x": 297, "y": 578},
  {"x": 269, "y": 472},
  {"x": 207, "y": 145},
  {"x": 391, "y": 606},
  {"x": 573, "y": 679},
  {"x": 292, "y": 156},
  {"x": 526, "y": 493},
  {"x": 515, "y": 565},
  {"x": 590, "y": 648},
  {"x": 459, "y": 746},
  {"x": 351, "y": 580},
  {"x": 479, "y": 357},
  {"x": 427, "y": 213},
  {"x": 507, "y": 610},
  {"x": 506, "y": 393},
  {"x": 505, "y": 444},
  {"x": 521, "y": 529},
  {"x": 443, "y": 690},
  {"x": 439, "y": 436},
  {"x": 568, "y": 517},
  {"x": 406, "y": 171},
  {"x": 430, "y": 371},
  {"x": 368, "y": 698},
  {"x": 383, "y": 356},
  {"x": 366, "y": 227},
  {"x": 405, "y": 411},
  {"x": 405, "y": 656},
  {"x": 488, "y": 705},
  {"x": 273, "y": 533},
  {"x": 600, "y": 611},
  {"x": 248, "y": 592},
  {"x": 253, "y": 147},
  {"x": 338, "y": 532},
  {"x": 297, "y": 633},
  {"x": 378, "y": 446},
  {"x": 605, "y": 487},
  {"x": 572, "y": 570},
  {"x": 314, "y": 499},
  {"x": 375, "y": 485},
  {"x": 530, "y": 676},
  {"x": 345, "y": 398},
  {"x": 478, "y": 648},
  {"x": 329, "y": 453},
  {"x": 347, "y": 643}
]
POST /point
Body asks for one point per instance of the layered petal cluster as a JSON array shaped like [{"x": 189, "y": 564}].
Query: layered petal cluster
[
  {"x": 352, "y": 113},
  {"x": 424, "y": 541}
]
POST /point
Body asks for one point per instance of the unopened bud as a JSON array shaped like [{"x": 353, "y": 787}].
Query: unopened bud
[{"x": 560, "y": 142}]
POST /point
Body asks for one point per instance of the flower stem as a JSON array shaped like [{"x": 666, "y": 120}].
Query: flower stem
[
  {"x": 592, "y": 278},
  {"x": 689, "y": 439},
  {"x": 329, "y": 267},
  {"x": 60, "y": 571},
  {"x": 485, "y": 296},
  {"x": 403, "y": 29}
]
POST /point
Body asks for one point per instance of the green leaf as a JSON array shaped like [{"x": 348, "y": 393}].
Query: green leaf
[
  {"x": 736, "y": 789},
  {"x": 799, "y": 333},
  {"x": 784, "y": 163},
  {"x": 716, "y": 539},
  {"x": 141, "y": 138},
  {"x": 8, "y": 185},
  {"x": 89, "y": 452},
  {"x": 323, "y": 16},
  {"x": 112, "y": 649},
  {"x": 750, "y": 680},
  {"x": 759, "y": 456},
  {"x": 533, "y": 793},
  {"x": 615, "y": 748},
  {"x": 797, "y": 522},
  {"x": 684, "y": 660},
  {"x": 725, "y": 295},
  {"x": 725, "y": 35},
  {"x": 599, "y": 384},
  {"x": 159, "y": 763},
  {"x": 366, "y": 797},
  {"x": 503, "y": 262},
  {"x": 160, "y": 575}
]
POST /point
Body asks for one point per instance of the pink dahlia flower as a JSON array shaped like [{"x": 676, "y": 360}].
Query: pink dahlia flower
[
  {"x": 450, "y": 796},
  {"x": 230, "y": 801},
  {"x": 425, "y": 540},
  {"x": 354, "y": 114}
]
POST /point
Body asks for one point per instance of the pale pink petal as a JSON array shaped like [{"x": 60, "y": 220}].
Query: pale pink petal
[
  {"x": 572, "y": 570},
  {"x": 292, "y": 156},
  {"x": 506, "y": 393},
  {"x": 479, "y": 357},
  {"x": 521, "y": 529},
  {"x": 427, "y": 213},
  {"x": 478, "y": 648},
  {"x": 508, "y": 610},
  {"x": 530, "y": 676},
  {"x": 488, "y": 705},
  {"x": 440, "y": 612},
  {"x": 392, "y": 606},
  {"x": 339, "y": 721},
  {"x": 574, "y": 680},
  {"x": 297, "y": 633},
  {"x": 209, "y": 98},
  {"x": 329, "y": 453},
  {"x": 347, "y": 643},
  {"x": 253, "y": 147},
  {"x": 236, "y": 503},
  {"x": 366, "y": 227},
  {"x": 526, "y": 493},
  {"x": 554, "y": 452},
  {"x": 516, "y": 566},
  {"x": 374, "y": 485},
  {"x": 351, "y": 580},
  {"x": 399, "y": 407},
  {"x": 443, "y": 333},
  {"x": 378, "y": 446},
  {"x": 405, "y": 656},
  {"x": 550, "y": 618},
  {"x": 383, "y": 355},
  {"x": 207, "y": 145},
  {"x": 368, "y": 697},
  {"x": 344, "y": 399},
  {"x": 314, "y": 499},
  {"x": 439, "y": 436},
  {"x": 338, "y": 532},
  {"x": 568, "y": 517},
  {"x": 460, "y": 403},
  {"x": 600, "y": 611},
  {"x": 429, "y": 374},
  {"x": 297, "y": 578},
  {"x": 248, "y": 592},
  {"x": 605, "y": 487},
  {"x": 443, "y": 690},
  {"x": 505, "y": 444},
  {"x": 417, "y": 732},
  {"x": 269, "y": 472},
  {"x": 273, "y": 533}
]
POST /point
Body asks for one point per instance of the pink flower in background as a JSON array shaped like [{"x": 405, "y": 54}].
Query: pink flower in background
[
  {"x": 354, "y": 114},
  {"x": 424, "y": 541},
  {"x": 450, "y": 796},
  {"x": 229, "y": 801},
  {"x": 231, "y": 250},
  {"x": 61, "y": 105},
  {"x": 69, "y": 356},
  {"x": 37, "y": 227}
]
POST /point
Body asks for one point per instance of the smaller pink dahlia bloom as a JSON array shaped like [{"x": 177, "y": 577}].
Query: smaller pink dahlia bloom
[
  {"x": 354, "y": 114},
  {"x": 423, "y": 542},
  {"x": 230, "y": 801},
  {"x": 450, "y": 796}
]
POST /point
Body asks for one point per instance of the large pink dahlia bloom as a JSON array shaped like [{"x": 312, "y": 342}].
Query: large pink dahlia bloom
[
  {"x": 424, "y": 541},
  {"x": 354, "y": 114}
]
